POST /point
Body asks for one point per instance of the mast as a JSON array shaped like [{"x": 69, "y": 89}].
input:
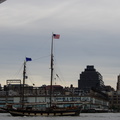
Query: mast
[
  {"x": 24, "y": 76},
  {"x": 51, "y": 79},
  {"x": 54, "y": 36}
]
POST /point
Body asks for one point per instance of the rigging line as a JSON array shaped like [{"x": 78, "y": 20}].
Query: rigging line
[
  {"x": 41, "y": 57},
  {"x": 29, "y": 77},
  {"x": 55, "y": 66},
  {"x": 18, "y": 72},
  {"x": 59, "y": 78},
  {"x": 57, "y": 70}
]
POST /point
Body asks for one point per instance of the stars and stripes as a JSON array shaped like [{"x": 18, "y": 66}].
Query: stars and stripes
[{"x": 56, "y": 36}]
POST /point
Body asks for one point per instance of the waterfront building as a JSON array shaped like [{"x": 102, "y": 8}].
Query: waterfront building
[
  {"x": 115, "y": 96},
  {"x": 114, "y": 100},
  {"x": 90, "y": 78},
  {"x": 41, "y": 95},
  {"x": 91, "y": 101}
]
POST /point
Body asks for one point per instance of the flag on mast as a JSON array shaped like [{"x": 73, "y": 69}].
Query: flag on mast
[
  {"x": 28, "y": 59},
  {"x": 56, "y": 36}
]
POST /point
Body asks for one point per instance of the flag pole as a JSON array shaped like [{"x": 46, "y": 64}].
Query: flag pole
[{"x": 51, "y": 79}]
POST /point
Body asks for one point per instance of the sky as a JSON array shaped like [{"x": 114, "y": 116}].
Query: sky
[{"x": 89, "y": 35}]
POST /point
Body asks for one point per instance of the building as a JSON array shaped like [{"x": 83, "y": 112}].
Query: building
[
  {"x": 114, "y": 97},
  {"x": 114, "y": 100},
  {"x": 91, "y": 101},
  {"x": 94, "y": 100},
  {"x": 118, "y": 83},
  {"x": 90, "y": 78},
  {"x": 0, "y": 87}
]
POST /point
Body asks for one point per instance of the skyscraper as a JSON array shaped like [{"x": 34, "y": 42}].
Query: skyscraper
[
  {"x": 90, "y": 78},
  {"x": 118, "y": 82}
]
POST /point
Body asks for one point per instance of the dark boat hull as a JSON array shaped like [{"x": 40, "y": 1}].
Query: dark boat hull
[{"x": 55, "y": 112}]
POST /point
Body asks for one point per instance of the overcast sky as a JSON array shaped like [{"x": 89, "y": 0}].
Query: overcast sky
[{"x": 89, "y": 35}]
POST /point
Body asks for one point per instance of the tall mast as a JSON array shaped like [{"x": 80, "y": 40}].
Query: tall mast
[
  {"x": 51, "y": 80},
  {"x": 24, "y": 76}
]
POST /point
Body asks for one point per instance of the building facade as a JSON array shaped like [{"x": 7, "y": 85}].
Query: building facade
[
  {"x": 87, "y": 102},
  {"x": 90, "y": 78}
]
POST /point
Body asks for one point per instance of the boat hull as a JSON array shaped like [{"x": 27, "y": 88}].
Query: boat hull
[{"x": 66, "y": 112}]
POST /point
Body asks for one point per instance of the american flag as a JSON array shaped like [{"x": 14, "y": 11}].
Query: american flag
[{"x": 56, "y": 36}]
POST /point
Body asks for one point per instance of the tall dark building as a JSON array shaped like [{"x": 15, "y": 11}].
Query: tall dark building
[
  {"x": 90, "y": 78},
  {"x": 118, "y": 82}
]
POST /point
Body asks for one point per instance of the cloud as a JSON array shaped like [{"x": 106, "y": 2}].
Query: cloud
[{"x": 89, "y": 32}]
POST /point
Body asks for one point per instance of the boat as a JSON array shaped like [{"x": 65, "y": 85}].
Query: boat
[{"x": 53, "y": 108}]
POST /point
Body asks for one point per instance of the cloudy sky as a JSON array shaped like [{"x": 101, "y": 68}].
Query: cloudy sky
[{"x": 89, "y": 35}]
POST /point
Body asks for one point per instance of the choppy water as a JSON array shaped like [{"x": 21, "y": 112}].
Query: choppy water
[{"x": 83, "y": 116}]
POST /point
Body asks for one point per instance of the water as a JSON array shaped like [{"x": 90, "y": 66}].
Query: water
[{"x": 83, "y": 116}]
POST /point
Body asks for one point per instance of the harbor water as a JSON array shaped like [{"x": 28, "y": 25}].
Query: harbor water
[{"x": 83, "y": 116}]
